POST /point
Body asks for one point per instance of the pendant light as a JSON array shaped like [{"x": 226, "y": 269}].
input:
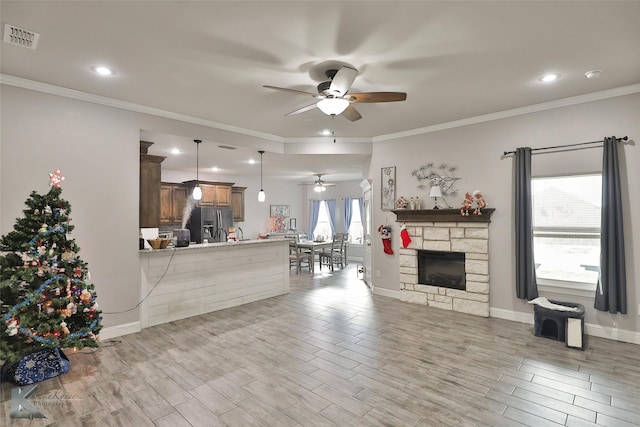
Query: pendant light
[
  {"x": 197, "y": 191},
  {"x": 261, "y": 195}
]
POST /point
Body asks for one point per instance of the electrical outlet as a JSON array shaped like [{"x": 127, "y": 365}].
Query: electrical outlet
[{"x": 377, "y": 273}]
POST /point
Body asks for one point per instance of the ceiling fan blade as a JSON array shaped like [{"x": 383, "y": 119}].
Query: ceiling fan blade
[
  {"x": 342, "y": 81},
  {"x": 299, "y": 92},
  {"x": 351, "y": 114},
  {"x": 376, "y": 97},
  {"x": 301, "y": 110}
]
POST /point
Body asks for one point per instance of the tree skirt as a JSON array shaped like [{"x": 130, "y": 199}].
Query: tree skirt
[{"x": 35, "y": 367}]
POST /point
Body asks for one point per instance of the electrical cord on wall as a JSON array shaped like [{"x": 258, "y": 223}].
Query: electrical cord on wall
[{"x": 148, "y": 293}]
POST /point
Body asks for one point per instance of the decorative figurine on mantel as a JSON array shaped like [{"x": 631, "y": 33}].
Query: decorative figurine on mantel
[
  {"x": 480, "y": 203},
  {"x": 417, "y": 203},
  {"x": 402, "y": 203},
  {"x": 467, "y": 203}
]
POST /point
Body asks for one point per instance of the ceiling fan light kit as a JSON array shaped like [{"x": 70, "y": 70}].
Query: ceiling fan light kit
[
  {"x": 319, "y": 188},
  {"x": 333, "y": 106}
]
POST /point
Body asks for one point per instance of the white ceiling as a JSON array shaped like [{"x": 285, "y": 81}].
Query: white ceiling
[{"x": 208, "y": 60}]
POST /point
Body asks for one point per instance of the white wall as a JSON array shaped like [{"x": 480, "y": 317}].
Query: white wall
[
  {"x": 95, "y": 149},
  {"x": 477, "y": 150}
]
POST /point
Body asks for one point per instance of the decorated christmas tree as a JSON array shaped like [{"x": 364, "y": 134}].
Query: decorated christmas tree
[{"x": 46, "y": 298}]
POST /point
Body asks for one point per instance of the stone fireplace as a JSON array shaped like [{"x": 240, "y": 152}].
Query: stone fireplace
[{"x": 445, "y": 231}]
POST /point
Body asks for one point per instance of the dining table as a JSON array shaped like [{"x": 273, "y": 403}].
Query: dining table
[{"x": 314, "y": 246}]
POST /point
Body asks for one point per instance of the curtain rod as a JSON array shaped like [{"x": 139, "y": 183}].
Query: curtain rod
[{"x": 624, "y": 138}]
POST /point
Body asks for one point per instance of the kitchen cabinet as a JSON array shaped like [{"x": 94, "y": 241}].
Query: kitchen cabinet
[
  {"x": 149, "y": 215},
  {"x": 213, "y": 193},
  {"x": 237, "y": 203},
  {"x": 223, "y": 195},
  {"x": 173, "y": 198}
]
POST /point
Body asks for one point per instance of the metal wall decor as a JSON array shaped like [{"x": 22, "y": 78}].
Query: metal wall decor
[
  {"x": 388, "y": 187},
  {"x": 443, "y": 176}
]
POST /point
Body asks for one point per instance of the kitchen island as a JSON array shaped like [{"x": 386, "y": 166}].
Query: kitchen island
[{"x": 188, "y": 281}]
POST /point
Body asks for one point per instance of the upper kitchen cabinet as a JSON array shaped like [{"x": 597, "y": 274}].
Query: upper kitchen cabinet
[
  {"x": 213, "y": 193},
  {"x": 237, "y": 203},
  {"x": 150, "y": 166},
  {"x": 173, "y": 199}
]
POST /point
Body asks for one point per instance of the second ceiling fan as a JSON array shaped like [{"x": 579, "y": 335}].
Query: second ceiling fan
[
  {"x": 334, "y": 99},
  {"x": 319, "y": 185}
]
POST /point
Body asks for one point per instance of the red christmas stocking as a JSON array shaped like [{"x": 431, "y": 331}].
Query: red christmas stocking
[
  {"x": 404, "y": 235},
  {"x": 386, "y": 242}
]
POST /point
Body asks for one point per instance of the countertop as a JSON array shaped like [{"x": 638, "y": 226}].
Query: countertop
[{"x": 213, "y": 245}]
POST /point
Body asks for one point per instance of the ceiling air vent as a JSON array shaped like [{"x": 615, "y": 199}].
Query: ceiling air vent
[
  {"x": 227, "y": 147},
  {"x": 20, "y": 36}
]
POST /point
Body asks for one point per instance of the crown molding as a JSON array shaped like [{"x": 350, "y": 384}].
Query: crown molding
[
  {"x": 129, "y": 106},
  {"x": 544, "y": 106},
  {"x": 111, "y": 102}
]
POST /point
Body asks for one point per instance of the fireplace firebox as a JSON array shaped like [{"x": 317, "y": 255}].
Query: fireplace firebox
[{"x": 443, "y": 269}]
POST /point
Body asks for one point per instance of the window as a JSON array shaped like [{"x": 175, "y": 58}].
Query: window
[
  {"x": 355, "y": 229},
  {"x": 566, "y": 230},
  {"x": 323, "y": 227}
]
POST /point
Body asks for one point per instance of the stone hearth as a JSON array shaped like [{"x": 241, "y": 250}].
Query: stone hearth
[{"x": 445, "y": 230}]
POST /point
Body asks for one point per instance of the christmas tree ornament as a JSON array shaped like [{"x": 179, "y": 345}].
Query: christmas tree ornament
[{"x": 56, "y": 178}]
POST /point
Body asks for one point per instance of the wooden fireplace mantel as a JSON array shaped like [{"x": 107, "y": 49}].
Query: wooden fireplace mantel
[{"x": 441, "y": 215}]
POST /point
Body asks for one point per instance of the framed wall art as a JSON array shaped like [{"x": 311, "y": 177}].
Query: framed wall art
[
  {"x": 279, "y": 210},
  {"x": 388, "y": 187}
]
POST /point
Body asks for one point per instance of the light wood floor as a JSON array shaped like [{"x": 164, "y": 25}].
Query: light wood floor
[{"x": 331, "y": 353}]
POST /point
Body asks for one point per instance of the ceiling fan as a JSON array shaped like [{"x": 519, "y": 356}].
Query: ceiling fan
[
  {"x": 319, "y": 185},
  {"x": 334, "y": 99}
]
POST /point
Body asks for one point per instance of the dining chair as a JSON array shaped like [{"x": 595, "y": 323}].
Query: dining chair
[
  {"x": 345, "y": 244},
  {"x": 298, "y": 258},
  {"x": 335, "y": 256}
]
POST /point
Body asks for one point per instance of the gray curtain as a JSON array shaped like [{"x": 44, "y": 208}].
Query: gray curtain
[
  {"x": 526, "y": 287},
  {"x": 611, "y": 293}
]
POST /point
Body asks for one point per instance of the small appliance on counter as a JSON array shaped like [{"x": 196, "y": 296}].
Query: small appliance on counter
[
  {"x": 183, "y": 236},
  {"x": 145, "y": 234}
]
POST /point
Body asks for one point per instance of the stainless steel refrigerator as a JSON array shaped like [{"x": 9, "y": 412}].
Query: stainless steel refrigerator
[{"x": 210, "y": 224}]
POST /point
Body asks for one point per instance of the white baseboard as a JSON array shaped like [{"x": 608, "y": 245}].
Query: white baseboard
[
  {"x": 612, "y": 333},
  {"x": 590, "y": 329},
  {"x": 387, "y": 292},
  {"x": 511, "y": 315},
  {"x": 120, "y": 330}
]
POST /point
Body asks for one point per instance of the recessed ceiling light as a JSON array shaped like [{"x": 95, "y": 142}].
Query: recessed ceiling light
[
  {"x": 251, "y": 161},
  {"x": 214, "y": 169},
  {"x": 549, "y": 77},
  {"x": 175, "y": 151},
  {"x": 102, "y": 70},
  {"x": 593, "y": 74},
  {"x": 326, "y": 132}
]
